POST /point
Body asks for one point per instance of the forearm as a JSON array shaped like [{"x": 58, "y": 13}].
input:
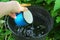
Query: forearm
[{"x": 3, "y": 9}]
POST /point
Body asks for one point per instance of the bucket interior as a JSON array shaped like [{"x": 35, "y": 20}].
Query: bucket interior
[{"x": 41, "y": 25}]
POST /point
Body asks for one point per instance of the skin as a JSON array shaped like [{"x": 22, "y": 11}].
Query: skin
[
  {"x": 13, "y": 14},
  {"x": 11, "y": 7}
]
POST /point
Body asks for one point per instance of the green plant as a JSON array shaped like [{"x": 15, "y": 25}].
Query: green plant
[{"x": 4, "y": 32}]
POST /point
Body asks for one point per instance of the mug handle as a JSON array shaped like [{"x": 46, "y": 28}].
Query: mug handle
[{"x": 25, "y": 5}]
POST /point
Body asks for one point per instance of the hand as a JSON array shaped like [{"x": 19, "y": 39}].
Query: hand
[
  {"x": 10, "y": 8},
  {"x": 16, "y": 8}
]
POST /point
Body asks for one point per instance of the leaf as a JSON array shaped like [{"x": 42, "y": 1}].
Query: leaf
[
  {"x": 58, "y": 19},
  {"x": 57, "y": 35},
  {"x": 11, "y": 37},
  {"x": 1, "y": 37},
  {"x": 57, "y": 5},
  {"x": 4, "y": 0},
  {"x": 38, "y": 1},
  {"x": 2, "y": 21},
  {"x": 7, "y": 32},
  {"x": 27, "y": 0},
  {"x": 0, "y": 30},
  {"x": 49, "y": 1},
  {"x": 19, "y": 1},
  {"x": 53, "y": 14}
]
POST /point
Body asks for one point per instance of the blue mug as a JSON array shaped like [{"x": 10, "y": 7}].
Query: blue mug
[{"x": 23, "y": 18}]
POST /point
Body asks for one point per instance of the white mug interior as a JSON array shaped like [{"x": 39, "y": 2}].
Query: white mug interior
[{"x": 28, "y": 16}]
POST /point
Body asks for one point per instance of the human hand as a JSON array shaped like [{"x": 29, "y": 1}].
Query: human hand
[
  {"x": 10, "y": 8},
  {"x": 16, "y": 8}
]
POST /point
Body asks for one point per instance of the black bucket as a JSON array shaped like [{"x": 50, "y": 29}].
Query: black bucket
[{"x": 41, "y": 26}]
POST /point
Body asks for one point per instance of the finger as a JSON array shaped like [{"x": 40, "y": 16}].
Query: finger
[
  {"x": 12, "y": 15},
  {"x": 23, "y": 9}
]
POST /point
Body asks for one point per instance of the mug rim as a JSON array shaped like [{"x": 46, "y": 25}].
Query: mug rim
[{"x": 31, "y": 17}]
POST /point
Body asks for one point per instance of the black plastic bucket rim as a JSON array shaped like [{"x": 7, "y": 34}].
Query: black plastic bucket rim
[{"x": 49, "y": 27}]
